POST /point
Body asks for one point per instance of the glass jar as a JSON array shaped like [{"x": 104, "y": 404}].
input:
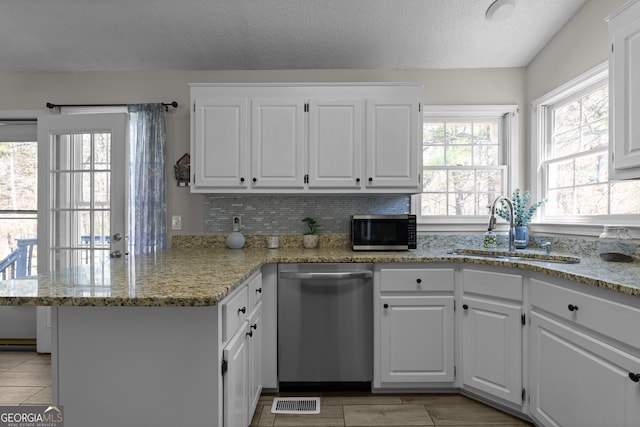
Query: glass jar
[
  {"x": 615, "y": 244},
  {"x": 490, "y": 240}
]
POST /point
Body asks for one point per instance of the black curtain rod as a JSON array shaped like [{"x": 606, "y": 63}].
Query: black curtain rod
[{"x": 173, "y": 104}]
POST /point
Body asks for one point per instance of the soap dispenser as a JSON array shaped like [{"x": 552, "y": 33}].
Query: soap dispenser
[{"x": 235, "y": 240}]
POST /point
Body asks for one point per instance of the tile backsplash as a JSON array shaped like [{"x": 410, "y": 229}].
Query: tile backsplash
[{"x": 283, "y": 213}]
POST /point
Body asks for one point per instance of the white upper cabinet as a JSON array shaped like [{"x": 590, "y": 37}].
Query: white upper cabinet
[
  {"x": 335, "y": 143},
  {"x": 624, "y": 87},
  {"x": 393, "y": 139},
  {"x": 220, "y": 159},
  {"x": 277, "y": 143},
  {"x": 287, "y": 138}
]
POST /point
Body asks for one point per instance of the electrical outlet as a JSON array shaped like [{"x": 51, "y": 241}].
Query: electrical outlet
[
  {"x": 237, "y": 223},
  {"x": 176, "y": 222}
]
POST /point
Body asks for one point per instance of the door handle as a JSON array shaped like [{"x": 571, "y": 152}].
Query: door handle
[
  {"x": 115, "y": 254},
  {"x": 329, "y": 275}
]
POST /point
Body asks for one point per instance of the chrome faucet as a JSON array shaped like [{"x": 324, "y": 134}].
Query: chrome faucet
[{"x": 512, "y": 228}]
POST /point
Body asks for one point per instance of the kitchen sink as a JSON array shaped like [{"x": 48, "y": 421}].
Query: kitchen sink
[{"x": 515, "y": 256}]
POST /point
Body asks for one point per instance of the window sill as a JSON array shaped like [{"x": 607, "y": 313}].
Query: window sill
[{"x": 573, "y": 229}]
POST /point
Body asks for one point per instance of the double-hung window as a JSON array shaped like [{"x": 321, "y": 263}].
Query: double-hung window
[
  {"x": 571, "y": 133},
  {"x": 467, "y": 152}
]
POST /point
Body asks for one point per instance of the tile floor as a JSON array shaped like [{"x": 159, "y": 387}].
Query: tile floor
[
  {"x": 361, "y": 409},
  {"x": 25, "y": 379}
]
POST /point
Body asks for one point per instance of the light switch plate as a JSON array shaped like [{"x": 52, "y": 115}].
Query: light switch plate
[{"x": 176, "y": 222}]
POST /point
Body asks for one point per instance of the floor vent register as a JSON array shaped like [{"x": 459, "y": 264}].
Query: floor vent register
[{"x": 296, "y": 405}]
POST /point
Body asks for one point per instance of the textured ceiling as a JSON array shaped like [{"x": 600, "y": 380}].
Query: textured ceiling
[{"x": 92, "y": 35}]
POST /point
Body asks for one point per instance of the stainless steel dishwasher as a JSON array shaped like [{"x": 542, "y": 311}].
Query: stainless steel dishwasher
[{"x": 325, "y": 326}]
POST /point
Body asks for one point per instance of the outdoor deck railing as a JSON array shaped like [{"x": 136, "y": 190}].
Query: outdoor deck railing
[{"x": 19, "y": 262}]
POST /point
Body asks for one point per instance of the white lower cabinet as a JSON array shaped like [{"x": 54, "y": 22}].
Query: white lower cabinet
[
  {"x": 577, "y": 380},
  {"x": 236, "y": 379},
  {"x": 491, "y": 321},
  {"x": 242, "y": 354},
  {"x": 414, "y": 327},
  {"x": 416, "y": 338},
  {"x": 255, "y": 358},
  {"x": 584, "y": 354}
]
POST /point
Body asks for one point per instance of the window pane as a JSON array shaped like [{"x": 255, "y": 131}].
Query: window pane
[
  {"x": 565, "y": 144},
  {"x": 18, "y": 176},
  {"x": 101, "y": 188},
  {"x": 592, "y": 200},
  {"x": 561, "y": 174},
  {"x": 459, "y": 155},
  {"x": 625, "y": 197},
  {"x": 435, "y": 181},
  {"x": 592, "y": 169},
  {"x": 595, "y": 135},
  {"x": 433, "y": 155},
  {"x": 434, "y": 204},
  {"x": 490, "y": 181},
  {"x": 566, "y": 117},
  {"x": 486, "y": 133},
  {"x": 560, "y": 202},
  {"x": 486, "y": 155},
  {"x": 485, "y": 200},
  {"x": 595, "y": 106},
  {"x": 16, "y": 226},
  {"x": 462, "y": 180},
  {"x": 461, "y": 203},
  {"x": 459, "y": 133},
  {"x": 102, "y": 151},
  {"x": 433, "y": 133}
]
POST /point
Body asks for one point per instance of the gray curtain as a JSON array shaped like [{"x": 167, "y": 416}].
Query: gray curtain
[{"x": 147, "y": 178}]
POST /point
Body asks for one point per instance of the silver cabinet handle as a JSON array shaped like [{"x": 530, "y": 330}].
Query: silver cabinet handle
[{"x": 326, "y": 275}]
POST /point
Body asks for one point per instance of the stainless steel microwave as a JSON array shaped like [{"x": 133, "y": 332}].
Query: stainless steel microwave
[{"x": 383, "y": 232}]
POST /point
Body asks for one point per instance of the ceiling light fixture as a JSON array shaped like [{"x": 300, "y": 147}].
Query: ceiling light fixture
[{"x": 500, "y": 10}]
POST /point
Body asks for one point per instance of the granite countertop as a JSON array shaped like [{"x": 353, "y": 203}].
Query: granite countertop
[{"x": 203, "y": 277}]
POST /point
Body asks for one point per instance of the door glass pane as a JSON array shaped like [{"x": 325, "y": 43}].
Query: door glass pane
[
  {"x": 80, "y": 198},
  {"x": 102, "y": 151}
]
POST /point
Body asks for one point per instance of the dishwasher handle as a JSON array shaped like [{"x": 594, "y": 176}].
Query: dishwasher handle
[{"x": 325, "y": 275}]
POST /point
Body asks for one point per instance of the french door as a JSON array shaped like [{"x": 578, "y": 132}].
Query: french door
[{"x": 82, "y": 182}]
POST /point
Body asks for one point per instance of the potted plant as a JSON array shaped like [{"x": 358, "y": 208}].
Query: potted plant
[
  {"x": 521, "y": 215},
  {"x": 310, "y": 238}
]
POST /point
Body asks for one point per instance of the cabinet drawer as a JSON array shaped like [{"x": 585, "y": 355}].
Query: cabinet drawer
[
  {"x": 234, "y": 312},
  {"x": 603, "y": 316},
  {"x": 255, "y": 290},
  {"x": 416, "y": 279},
  {"x": 490, "y": 283}
]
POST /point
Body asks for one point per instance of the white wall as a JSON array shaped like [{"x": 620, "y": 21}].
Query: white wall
[{"x": 34, "y": 90}]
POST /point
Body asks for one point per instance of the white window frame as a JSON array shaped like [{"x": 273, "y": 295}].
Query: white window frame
[
  {"x": 583, "y": 225},
  {"x": 509, "y": 157}
]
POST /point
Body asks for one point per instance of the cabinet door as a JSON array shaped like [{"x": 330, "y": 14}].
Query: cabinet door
[
  {"x": 235, "y": 380},
  {"x": 277, "y": 143},
  {"x": 492, "y": 347},
  {"x": 625, "y": 93},
  {"x": 335, "y": 143},
  {"x": 392, "y": 145},
  {"x": 416, "y": 342},
  {"x": 220, "y": 143},
  {"x": 255, "y": 358},
  {"x": 576, "y": 380}
]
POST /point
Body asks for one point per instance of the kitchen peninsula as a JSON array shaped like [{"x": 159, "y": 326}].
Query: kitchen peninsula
[{"x": 138, "y": 341}]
